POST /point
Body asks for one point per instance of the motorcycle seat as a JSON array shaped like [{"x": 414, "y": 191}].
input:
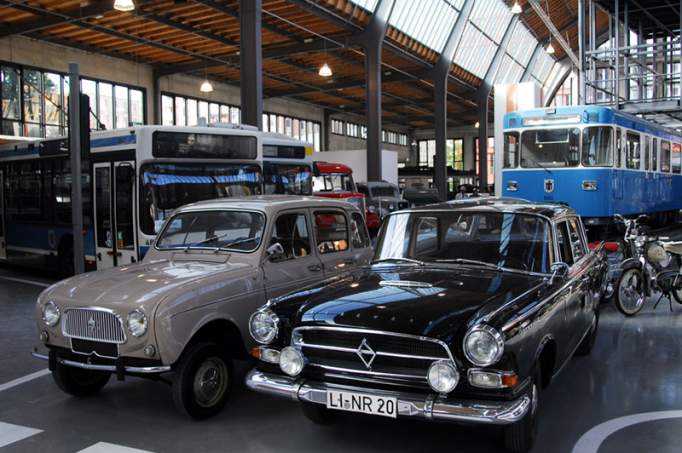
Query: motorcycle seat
[{"x": 673, "y": 247}]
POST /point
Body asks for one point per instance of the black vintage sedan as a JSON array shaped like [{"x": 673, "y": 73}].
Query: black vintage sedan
[{"x": 468, "y": 310}]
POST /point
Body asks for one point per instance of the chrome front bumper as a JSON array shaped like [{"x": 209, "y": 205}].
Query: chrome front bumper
[
  {"x": 111, "y": 368},
  {"x": 431, "y": 407}
]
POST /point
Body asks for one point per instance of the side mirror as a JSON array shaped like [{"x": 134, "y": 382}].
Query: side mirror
[
  {"x": 559, "y": 271},
  {"x": 275, "y": 251}
]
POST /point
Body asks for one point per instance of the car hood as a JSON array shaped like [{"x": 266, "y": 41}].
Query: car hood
[
  {"x": 433, "y": 302},
  {"x": 127, "y": 287}
]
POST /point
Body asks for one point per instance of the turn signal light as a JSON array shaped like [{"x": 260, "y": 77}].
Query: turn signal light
[
  {"x": 255, "y": 353},
  {"x": 510, "y": 380}
]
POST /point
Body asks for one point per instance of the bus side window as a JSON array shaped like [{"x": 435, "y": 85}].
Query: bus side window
[
  {"x": 647, "y": 153},
  {"x": 619, "y": 147},
  {"x": 665, "y": 156},
  {"x": 654, "y": 155}
]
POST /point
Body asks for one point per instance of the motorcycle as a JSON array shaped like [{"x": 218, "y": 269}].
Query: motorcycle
[{"x": 652, "y": 264}]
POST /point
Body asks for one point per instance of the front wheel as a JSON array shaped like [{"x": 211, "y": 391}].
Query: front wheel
[
  {"x": 520, "y": 437},
  {"x": 630, "y": 294},
  {"x": 79, "y": 382},
  {"x": 202, "y": 381},
  {"x": 677, "y": 295}
]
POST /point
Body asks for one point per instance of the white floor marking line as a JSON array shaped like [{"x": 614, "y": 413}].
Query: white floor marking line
[
  {"x": 592, "y": 440},
  {"x": 104, "y": 447},
  {"x": 23, "y": 280},
  {"x": 14, "y": 433},
  {"x": 23, "y": 379}
]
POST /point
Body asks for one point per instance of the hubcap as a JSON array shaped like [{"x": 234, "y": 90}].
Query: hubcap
[
  {"x": 630, "y": 292},
  {"x": 210, "y": 382}
]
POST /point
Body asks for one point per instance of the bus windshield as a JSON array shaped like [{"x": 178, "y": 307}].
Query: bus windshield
[
  {"x": 333, "y": 182},
  {"x": 550, "y": 148},
  {"x": 167, "y": 186}
]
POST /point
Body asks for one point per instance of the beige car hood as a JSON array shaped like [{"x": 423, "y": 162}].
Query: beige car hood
[{"x": 127, "y": 287}]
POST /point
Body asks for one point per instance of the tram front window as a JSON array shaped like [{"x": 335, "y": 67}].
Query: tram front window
[
  {"x": 167, "y": 186},
  {"x": 550, "y": 148}
]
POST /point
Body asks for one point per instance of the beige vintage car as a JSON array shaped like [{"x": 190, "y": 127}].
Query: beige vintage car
[{"x": 185, "y": 308}]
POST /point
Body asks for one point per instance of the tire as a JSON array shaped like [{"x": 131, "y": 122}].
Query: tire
[
  {"x": 630, "y": 296},
  {"x": 318, "y": 414},
  {"x": 520, "y": 437},
  {"x": 588, "y": 342},
  {"x": 202, "y": 381},
  {"x": 79, "y": 382},
  {"x": 677, "y": 295}
]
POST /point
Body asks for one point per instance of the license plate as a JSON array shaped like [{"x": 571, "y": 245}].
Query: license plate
[{"x": 362, "y": 403}]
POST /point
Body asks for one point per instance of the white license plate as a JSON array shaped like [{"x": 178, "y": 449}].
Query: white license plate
[{"x": 362, "y": 403}]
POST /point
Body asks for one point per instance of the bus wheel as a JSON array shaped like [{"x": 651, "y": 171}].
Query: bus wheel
[{"x": 65, "y": 258}]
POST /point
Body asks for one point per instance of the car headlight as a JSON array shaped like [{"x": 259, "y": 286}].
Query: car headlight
[
  {"x": 291, "y": 361},
  {"x": 443, "y": 376},
  {"x": 137, "y": 323},
  {"x": 483, "y": 345},
  {"x": 51, "y": 314},
  {"x": 263, "y": 326}
]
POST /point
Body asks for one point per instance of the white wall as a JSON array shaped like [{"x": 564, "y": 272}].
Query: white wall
[{"x": 357, "y": 160}]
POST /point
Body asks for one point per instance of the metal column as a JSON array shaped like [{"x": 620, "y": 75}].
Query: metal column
[
  {"x": 440, "y": 74},
  {"x": 76, "y": 179},
  {"x": 616, "y": 88},
  {"x": 251, "y": 62},
  {"x": 373, "y": 38},
  {"x": 581, "y": 52}
]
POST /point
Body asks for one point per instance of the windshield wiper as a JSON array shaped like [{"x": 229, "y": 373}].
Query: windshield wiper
[
  {"x": 224, "y": 246},
  {"x": 468, "y": 261},
  {"x": 400, "y": 259}
]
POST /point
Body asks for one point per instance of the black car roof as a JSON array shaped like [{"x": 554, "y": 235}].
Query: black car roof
[{"x": 514, "y": 205}]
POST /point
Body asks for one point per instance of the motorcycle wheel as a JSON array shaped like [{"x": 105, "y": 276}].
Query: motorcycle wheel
[
  {"x": 630, "y": 295},
  {"x": 677, "y": 295}
]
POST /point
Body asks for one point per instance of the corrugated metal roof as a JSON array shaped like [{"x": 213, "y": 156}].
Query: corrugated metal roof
[
  {"x": 492, "y": 17},
  {"x": 427, "y": 21},
  {"x": 543, "y": 67},
  {"x": 509, "y": 71},
  {"x": 475, "y": 51},
  {"x": 522, "y": 44}
]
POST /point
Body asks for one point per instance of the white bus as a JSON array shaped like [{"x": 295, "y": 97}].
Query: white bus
[{"x": 132, "y": 180}]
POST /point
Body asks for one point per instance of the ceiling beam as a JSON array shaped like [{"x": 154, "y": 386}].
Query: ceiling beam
[
  {"x": 555, "y": 33},
  {"x": 186, "y": 28}
]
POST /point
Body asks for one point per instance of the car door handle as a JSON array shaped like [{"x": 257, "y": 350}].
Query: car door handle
[{"x": 314, "y": 268}]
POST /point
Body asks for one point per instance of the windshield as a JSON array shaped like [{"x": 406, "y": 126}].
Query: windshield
[
  {"x": 333, "y": 183},
  {"x": 165, "y": 187},
  {"x": 385, "y": 192},
  {"x": 550, "y": 148},
  {"x": 236, "y": 231},
  {"x": 513, "y": 241},
  {"x": 287, "y": 179}
]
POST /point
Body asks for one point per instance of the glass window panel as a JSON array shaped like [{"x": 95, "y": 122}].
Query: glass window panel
[
  {"x": 53, "y": 98},
  {"x": 11, "y": 89},
  {"x": 475, "y": 51},
  {"x": 492, "y": 18},
  {"x": 316, "y": 137},
  {"x": 121, "y": 107},
  {"x": 234, "y": 115},
  {"x": 296, "y": 133},
  {"x": 522, "y": 44},
  {"x": 280, "y": 124},
  {"x": 302, "y": 130},
  {"x": 167, "y": 111},
  {"x": 106, "y": 105},
  {"x": 266, "y": 122},
  {"x": 287, "y": 127},
  {"x": 33, "y": 105},
  {"x": 213, "y": 113},
  {"x": 192, "y": 112},
  {"x": 427, "y": 21},
  {"x": 310, "y": 132},
  {"x": 180, "y": 111},
  {"x": 136, "y": 107},
  {"x": 224, "y": 113},
  {"x": 203, "y": 112},
  {"x": 53, "y": 131},
  {"x": 89, "y": 88}
]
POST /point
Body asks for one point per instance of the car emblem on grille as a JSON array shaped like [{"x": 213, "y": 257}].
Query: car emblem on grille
[
  {"x": 92, "y": 324},
  {"x": 549, "y": 185},
  {"x": 366, "y": 354}
]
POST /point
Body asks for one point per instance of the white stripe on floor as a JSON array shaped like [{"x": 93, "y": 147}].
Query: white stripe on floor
[
  {"x": 23, "y": 280},
  {"x": 104, "y": 447},
  {"x": 23, "y": 379},
  {"x": 14, "y": 433}
]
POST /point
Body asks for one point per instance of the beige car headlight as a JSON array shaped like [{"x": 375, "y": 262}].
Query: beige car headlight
[
  {"x": 137, "y": 323},
  {"x": 51, "y": 314}
]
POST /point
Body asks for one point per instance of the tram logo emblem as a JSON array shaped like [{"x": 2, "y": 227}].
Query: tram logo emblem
[{"x": 549, "y": 185}]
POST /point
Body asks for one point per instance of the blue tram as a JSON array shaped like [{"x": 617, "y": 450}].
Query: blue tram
[{"x": 598, "y": 160}]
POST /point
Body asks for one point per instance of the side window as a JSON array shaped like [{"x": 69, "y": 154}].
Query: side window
[
  {"x": 426, "y": 242},
  {"x": 632, "y": 151},
  {"x": 511, "y": 148},
  {"x": 654, "y": 155},
  {"x": 291, "y": 230},
  {"x": 331, "y": 232},
  {"x": 647, "y": 153},
  {"x": 676, "y": 158},
  {"x": 358, "y": 231},
  {"x": 564, "y": 243},
  {"x": 665, "y": 157},
  {"x": 577, "y": 243},
  {"x": 619, "y": 146}
]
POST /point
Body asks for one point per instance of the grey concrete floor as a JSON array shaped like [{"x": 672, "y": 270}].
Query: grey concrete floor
[{"x": 634, "y": 368}]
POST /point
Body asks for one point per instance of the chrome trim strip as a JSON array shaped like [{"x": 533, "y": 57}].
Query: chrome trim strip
[
  {"x": 111, "y": 368},
  {"x": 374, "y": 332},
  {"x": 428, "y": 407},
  {"x": 367, "y": 372},
  {"x": 354, "y": 350}
]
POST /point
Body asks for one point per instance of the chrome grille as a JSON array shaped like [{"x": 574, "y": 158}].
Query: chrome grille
[
  {"x": 93, "y": 324},
  {"x": 337, "y": 349}
]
